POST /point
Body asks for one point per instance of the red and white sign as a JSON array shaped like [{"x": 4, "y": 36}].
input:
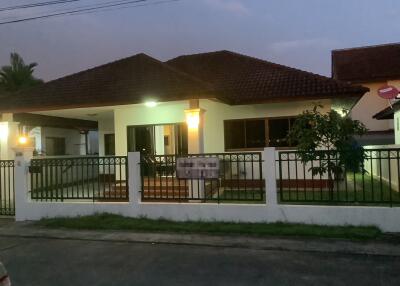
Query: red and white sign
[{"x": 388, "y": 92}]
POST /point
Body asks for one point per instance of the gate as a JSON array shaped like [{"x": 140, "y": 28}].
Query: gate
[
  {"x": 228, "y": 177},
  {"x": 7, "y": 192}
]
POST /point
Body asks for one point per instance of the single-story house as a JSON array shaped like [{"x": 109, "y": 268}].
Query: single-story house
[
  {"x": 371, "y": 67},
  {"x": 210, "y": 102}
]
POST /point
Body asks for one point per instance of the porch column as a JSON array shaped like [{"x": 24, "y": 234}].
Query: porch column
[
  {"x": 195, "y": 121},
  {"x": 9, "y": 133}
]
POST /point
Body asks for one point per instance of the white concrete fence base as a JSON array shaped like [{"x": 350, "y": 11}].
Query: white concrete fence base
[{"x": 386, "y": 218}]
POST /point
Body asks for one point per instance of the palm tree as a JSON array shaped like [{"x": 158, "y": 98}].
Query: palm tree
[{"x": 17, "y": 75}]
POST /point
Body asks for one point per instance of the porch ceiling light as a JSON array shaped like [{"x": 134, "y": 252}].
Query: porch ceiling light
[
  {"x": 192, "y": 118},
  {"x": 151, "y": 103}
]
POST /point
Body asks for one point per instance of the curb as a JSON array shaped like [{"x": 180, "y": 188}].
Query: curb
[{"x": 339, "y": 246}]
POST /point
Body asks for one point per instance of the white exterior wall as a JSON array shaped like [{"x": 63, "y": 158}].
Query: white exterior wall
[
  {"x": 383, "y": 217},
  {"x": 397, "y": 127},
  {"x": 214, "y": 116},
  {"x": 370, "y": 104},
  {"x": 164, "y": 113},
  {"x": 105, "y": 126},
  {"x": 74, "y": 141},
  {"x": 216, "y": 113}
]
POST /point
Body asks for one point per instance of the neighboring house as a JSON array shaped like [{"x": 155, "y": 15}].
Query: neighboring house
[
  {"x": 372, "y": 67},
  {"x": 211, "y": 102}
]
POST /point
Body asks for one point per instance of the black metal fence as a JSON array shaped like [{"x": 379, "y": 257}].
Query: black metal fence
[
  {"x": 7, "y": 193},
  {"x": 378, "y": 183},
  {"x": 238, "y": 178},
  {"x": 79, "y": 178}
]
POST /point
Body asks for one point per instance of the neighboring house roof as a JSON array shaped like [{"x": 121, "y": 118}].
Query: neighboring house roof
[
  {"x": 230, "y": 77},
  {"x": 388, "y": 112},
  {"x": 241, "y": 79},
  {"x": 367, "y": 64},
  {"x": 126, "y": 81}
]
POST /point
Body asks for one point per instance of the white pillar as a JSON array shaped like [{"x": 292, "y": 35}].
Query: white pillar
[
  {"x": 23, "y": 156},
  {"x": 269, "y": 170},
  {"x": 135, "y": 180},
  {"x": 9, "y": 133}
]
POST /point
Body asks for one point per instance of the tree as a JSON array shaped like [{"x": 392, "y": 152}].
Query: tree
[
  {"x": 17, "y": 75},
  {"x": 329, "y": 139}
]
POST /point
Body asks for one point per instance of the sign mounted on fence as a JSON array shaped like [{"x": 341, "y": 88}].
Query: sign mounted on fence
[{"x": 197, "y": 168}]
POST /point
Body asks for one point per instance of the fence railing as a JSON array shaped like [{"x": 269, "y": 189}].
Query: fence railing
[
  {"x": 79, "y": 178},
  {"x": 238, "y": 178},
  {"x": 377, "y": 182},
  {"x": 7, "y": 193}
]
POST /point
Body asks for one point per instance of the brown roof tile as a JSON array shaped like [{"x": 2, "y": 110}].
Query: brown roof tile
[
  {"x": 241, "y": 79},
  {"x": 227, "y": 76},
  {"x": 127, "y": 81},
  {"x": 364, "y": 64}
]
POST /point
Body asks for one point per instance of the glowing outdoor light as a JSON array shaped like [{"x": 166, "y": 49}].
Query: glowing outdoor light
[
  {"x": 151, "y": 103},
  {"x": 22, "y": 140},
  {"x": 192, "y": 118}
]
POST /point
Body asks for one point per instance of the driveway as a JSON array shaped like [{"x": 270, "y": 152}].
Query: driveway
[{"x": 36, "y": 261}]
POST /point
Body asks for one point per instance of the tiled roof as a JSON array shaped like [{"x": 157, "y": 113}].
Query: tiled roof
[
  {"x": 241, "y": 79},
  {"x": 127, "y": 81},
  {"x": 366, "y": 64},
  {"x": 224, "y": 75}
]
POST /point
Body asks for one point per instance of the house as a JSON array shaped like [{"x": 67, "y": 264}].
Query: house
[
  {"x": 371, "y": 67},
  {"x": 210, "y": 102}
]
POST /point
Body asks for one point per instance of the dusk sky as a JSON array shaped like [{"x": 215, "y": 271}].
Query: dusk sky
[{"x": 298, "y": 33}]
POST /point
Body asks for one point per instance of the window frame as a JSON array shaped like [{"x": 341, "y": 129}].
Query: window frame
[{"x": 266, "y": 125}]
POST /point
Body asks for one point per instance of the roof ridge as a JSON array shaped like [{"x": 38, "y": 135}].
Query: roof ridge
[
  {"x": 367, "y": 47},
  {"x": 273, "y": 64},
  {"x": 292, "y": 69}
]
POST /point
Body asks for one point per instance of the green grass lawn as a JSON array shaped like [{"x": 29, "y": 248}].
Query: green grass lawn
[
  {"x": 116, "y": 222},
  {"x": 358, "y": 189}
]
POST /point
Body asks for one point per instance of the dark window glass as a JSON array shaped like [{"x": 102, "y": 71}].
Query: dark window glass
[
  {"x": 255, "y": 133},
  {"x": 278, "y": 131},
  {"x": 109, "y": 144},
  {"x": 55, "y": 146},
  {"x": 235, "y": 134},
  {"x": 251, "y": 133}
]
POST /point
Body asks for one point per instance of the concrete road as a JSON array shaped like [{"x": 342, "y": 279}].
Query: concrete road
[{"x": 35, "y": 261}]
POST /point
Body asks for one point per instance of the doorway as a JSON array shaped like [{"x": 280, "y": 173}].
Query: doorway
[{"x": 161, "y": 139}]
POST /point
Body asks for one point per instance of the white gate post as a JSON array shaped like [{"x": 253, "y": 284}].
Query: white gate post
[
  {"x": 269, "y": 170},
  {"x": 135, "y": 180},
  {"x": 21, "y": 180}
]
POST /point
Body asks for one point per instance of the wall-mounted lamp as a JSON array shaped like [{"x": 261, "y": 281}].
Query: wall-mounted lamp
[
  {"x": 22, "y": 140},
  {"x": 192, "y": 118},
  {"x": 150, "y": 103}
]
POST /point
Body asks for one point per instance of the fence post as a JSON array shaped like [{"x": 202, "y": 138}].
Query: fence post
[
  {"x": 21, "y": 180},
  {"x": 269, "y": 170},
  {"x": 135, "y": 180}
]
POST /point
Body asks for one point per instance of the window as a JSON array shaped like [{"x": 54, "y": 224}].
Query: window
[
  {"x": 109, "y": 144},
  {"x": 257, "y": 133},
  {"x": 241, "y": 134},
  {"x": 55, "y": 146}
]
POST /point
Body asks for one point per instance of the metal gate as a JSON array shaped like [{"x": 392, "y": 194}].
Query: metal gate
[{"x": 7, "y": 191}]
